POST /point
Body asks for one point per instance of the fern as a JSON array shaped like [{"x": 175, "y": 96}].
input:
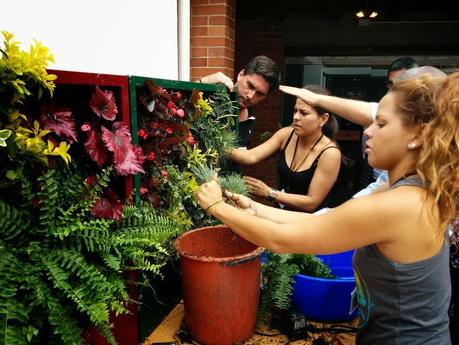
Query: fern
[
  {"x": 279, "y": 272},
  {"x": 12, "y": 222}
]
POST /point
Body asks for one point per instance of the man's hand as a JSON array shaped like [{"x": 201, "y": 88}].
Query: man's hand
[{"x": 218, "y": 78}]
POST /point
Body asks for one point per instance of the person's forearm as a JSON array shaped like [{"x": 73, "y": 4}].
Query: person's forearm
[
  {"x": 356, "y": 111},
  {"x": 278, "y": 215},
  {"x": 299, "y": 202}
]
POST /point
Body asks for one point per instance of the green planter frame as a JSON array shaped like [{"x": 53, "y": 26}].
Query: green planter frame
[{"x": 138, "y": 81}]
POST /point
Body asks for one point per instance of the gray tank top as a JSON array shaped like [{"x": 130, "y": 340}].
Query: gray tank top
[{"x": 402, "y": 304}]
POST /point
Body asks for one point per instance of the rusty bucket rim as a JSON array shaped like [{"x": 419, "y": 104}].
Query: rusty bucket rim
[{"x": 252, "y": 255}]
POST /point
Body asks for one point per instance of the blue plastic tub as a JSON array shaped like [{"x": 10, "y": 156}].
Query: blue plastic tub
[{"x": 327, "y": 299}]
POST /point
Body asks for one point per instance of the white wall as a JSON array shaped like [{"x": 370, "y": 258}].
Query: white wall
[{"x": 134, "y": 37}]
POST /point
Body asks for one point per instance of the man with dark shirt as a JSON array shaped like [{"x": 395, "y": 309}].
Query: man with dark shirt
[{"x": 253, "y": 84}]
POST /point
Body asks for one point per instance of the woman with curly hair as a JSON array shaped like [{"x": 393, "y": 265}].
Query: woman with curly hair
[{"x": 400, "y": 235}]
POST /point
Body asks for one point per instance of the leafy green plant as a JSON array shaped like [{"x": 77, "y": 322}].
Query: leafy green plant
[
  {"x": 182, "y": 133},
  {"x": 62, "y": 269},
  {"x": 233, "y": 182},
  {"x": 278, "y": 276}
]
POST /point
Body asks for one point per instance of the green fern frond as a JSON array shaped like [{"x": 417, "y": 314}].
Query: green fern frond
[
  {"x": 82, "y": 295},
  {"x": 111, "y": 261},
  {"x": 59, "y": 315},
  {"x": 12, "y": 221}
]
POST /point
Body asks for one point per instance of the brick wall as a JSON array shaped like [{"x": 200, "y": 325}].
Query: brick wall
[
  {"x": 217, "y": 44},
  {"x": 212, "y": 37},
  {"x": 261, "y": 37}
]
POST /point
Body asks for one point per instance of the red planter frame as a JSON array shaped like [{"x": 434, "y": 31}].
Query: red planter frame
[
  {"x": 94, "y": 79},
  {"x": 125, "y": 326}
]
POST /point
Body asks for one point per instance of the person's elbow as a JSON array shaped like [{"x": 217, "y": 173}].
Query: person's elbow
[{"x": 244, "y": 157}]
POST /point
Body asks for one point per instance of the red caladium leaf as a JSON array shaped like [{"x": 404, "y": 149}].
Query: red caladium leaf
[
  {"x": 156, "y": 90},
  {"x": 108, "y": 206},
  {"x": 139, "y": 153},
  {"x": 103, "y": 104},
  {"x": 95, "y": 146},
  {"x": 126, "y": 160},
  {"x": 58, "y": 119}
]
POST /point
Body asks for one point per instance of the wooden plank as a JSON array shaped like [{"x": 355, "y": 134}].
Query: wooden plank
[{"x": 165, "y": 332}]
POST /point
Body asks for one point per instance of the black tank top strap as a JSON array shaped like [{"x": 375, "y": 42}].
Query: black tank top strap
[
  {"x": 320, "y": 154},
  {"x": 288, "y": 140}
]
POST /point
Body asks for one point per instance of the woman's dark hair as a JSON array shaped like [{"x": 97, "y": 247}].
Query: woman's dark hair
[{"x": 331, "y": 127}]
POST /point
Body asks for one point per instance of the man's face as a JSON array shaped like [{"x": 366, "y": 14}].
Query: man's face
[
  {"x": 252, "y": 89},
  {"x": 392, "y": 75}
]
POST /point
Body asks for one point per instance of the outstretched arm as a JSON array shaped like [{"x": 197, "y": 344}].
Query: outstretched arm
[
  {"x": 262, "y": 151},
  {"x": 273, "y": 214},
  {"x": 343, "y": 228},
  {"x": 356, "y": 111}
]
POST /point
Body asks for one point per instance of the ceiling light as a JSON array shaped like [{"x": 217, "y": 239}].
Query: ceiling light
[
  {"x": 373, "y": 14},
  {"x": 360, "y": 14}
]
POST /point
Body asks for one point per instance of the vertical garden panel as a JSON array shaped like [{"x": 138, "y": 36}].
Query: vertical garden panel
[
  {"x": 137, "y": 84},
  {"x": 179, "y": 125},
  {"x": 75, "y": 89}
]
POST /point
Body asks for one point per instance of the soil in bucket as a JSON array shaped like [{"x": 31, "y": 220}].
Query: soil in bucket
[{"x": 220, "y": 283}]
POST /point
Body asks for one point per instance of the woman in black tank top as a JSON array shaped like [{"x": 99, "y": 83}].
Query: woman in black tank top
[{"x": 309, "y": 160}]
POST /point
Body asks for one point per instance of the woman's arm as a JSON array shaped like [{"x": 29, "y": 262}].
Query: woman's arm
[
  {"x": 267, "y": 212},
  {"x": 350, "y": 109},
  {"x": 322, "y": 182},
  {"x": 379, "y": 218},
  {"x": 262, "y": 151}
]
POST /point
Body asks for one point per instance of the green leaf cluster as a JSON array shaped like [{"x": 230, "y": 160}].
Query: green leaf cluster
[
  {"x": 278, "y": 276},
  {"x": 62, "y": 269}
]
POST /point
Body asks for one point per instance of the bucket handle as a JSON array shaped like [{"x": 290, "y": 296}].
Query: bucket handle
[{"x": 241, "y": 261}]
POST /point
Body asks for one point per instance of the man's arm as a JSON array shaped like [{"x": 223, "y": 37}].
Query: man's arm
[{"x": 218, "y": 78}]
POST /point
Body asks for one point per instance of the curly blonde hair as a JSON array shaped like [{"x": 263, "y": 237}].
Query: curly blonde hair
[{"x": 434, "y": 102}]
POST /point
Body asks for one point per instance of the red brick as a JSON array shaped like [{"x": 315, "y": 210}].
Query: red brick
[
  {"x": 217, "y": 31},
  {"x": 218, "y": 51},
  {"x": 221, "y": 62},
  {"x": 198, "y": 31},
  {"x": 217, "y": 20},
  {"x": 199, "y": 20},
  {"x": 199, "y": 52},
  {"x": 207, "y": 41},
  {"x": 202, "y": 71},
  {"x": 207, "y": 10},
  {"x": 198, "y": 62}
]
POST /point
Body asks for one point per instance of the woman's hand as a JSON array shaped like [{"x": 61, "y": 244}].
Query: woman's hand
[
  {"x": 257, "y": 187},
  {"x": 242, "y": 202},
  {"x": 208, "y": 194},
  {"x": 306, "y": 96}
]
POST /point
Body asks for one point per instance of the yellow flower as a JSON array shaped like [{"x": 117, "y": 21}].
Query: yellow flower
[
  {"x": 203, "y": 104},
  {"x": 60, "y": 150}
]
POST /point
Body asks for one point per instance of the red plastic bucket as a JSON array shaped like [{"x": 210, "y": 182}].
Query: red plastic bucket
[{"x": 221, "y": 284}]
